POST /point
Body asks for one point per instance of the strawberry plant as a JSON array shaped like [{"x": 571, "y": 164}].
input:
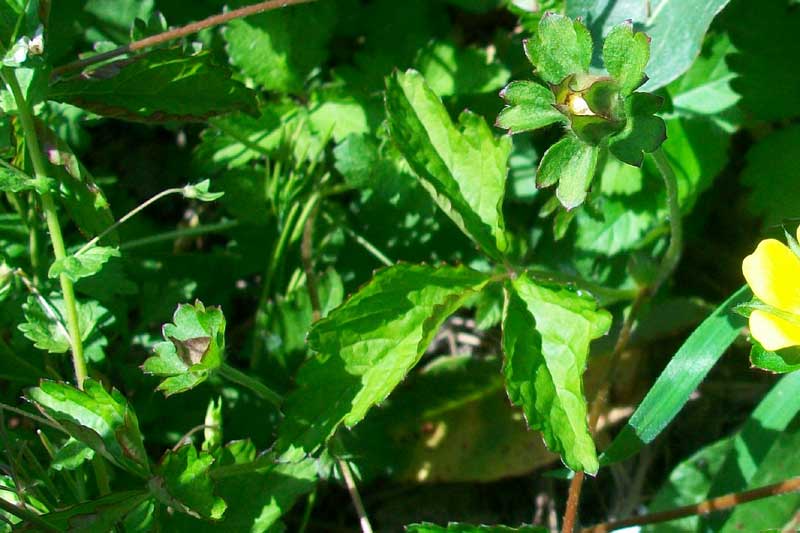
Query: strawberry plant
[{"x": 425, "y": 266}]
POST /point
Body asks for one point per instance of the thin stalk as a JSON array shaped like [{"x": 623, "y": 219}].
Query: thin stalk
[
  {"x": 667, "y": 266},
  {"x": 368, "y": 246},
  {"x": 237, "y": 376},
  {"x": 53, "y": 225},
  {"x": 312, "y": 499},
  {"x": 25, "y": 515},
  {"x": 177, "y": 33},
  {"x": 127, "y": 216},
  {"x": 352, "y": 488},
  {"x": 708, "y": 506},
  {"x": 179, "y": 233},
  {"x": 101, "y": 475}
]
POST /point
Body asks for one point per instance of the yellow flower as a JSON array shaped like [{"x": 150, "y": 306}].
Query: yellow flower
[{"x": 773, "y": 273}]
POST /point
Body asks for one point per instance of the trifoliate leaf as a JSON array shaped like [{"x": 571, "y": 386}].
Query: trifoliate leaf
[
  {"x": 464, "y": 169},
  {"x": 625, "y": 54},
  {"x": 570, "y": 163},
  {"x": 644, "y": 131},
  {"x": 200, "y": 192},
  {"x": 366, "y": 347},
  {"x": 529, "y": 106},
  {"x": 182, "y": 483},
  {"x": 546, "y": 336},
  {"x": 84, "y": 264},
  {"x": 560, "y": 47},
  {"x": 193, "y": 348},
  {"x": 103, "y": 421}
]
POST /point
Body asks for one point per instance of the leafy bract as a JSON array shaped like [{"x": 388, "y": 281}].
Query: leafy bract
[
  {"x": 14, "y": 180},
  {"x": 84, "y": 264},
  {"x": 182, "y": 482},
  {"x": 546, "y": 336},
  {"x": 571, "y": 163},
  {"x": 193, "y": 347},
  {"x": 625, "y": 54},
  {"x": 529, "y": 106},
  {"x": 104, "y": 421},
  {"x": 366, "y": 347},
  {"x": 559, "y": 48},
  {"x": 676, "y": 29},
  {"x": 644, "y": 131},
  {"x": 463, "y": 169},
  {"x": 159, "y": 86},
  {"x": 465, "y": 528}
]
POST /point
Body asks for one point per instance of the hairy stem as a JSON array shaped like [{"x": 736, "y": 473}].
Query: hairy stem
[
  {"x": 53, "y": 225},
  {"x": 708, "y": 506},
  {"x": 177, "y": 33}
]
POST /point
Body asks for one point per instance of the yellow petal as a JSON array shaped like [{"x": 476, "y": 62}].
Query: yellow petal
[
  {"x": 773, "y": 272},
  {"x": 774, "y": 333}
]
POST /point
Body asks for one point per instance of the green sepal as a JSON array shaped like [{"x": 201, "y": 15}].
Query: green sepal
[
  {"x": 644, "y": 131},
  {"x": 778, "y": 361},
  {"x": 571, "y": 163},
  {"x": 625, "y": 54},
  {"x": 560, "y": 47},
  {"x": 529, "y": 106}
]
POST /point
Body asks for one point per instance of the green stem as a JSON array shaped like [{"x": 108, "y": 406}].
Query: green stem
[
  {"x": 101, "y": 475},
  {"x": 179, "y": 233},
  {"x": 127, "y": 216},
  {"x": 53, "y": 225},
  {"x": 239, "y": 377},
  {"x": 673, "y": 254},
  {"x": 27, "y": 516}
]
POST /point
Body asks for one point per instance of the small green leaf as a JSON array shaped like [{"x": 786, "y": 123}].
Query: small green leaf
[
  {"x": 71, "y": 455},
  {"x": 103, "y": 421},
  {"x": 625, "y": 54},
  {"x": 200, "y": 192},
  {"x": 570, "y": 163},
  {"x": 644, "y": 131},
  {"x": 779, "y": 362},
  {"x": 14, "y": 180},
  {"x": 464, "y": 169},
  {"x": 182, "y": 482},
  {"x": 158, "y": 86},
  {"x": 465, "y": 528},
  {"x": 83, "y": 265},
  {"x": 367, "y": 345},
  {"x": 529, "y": 106},
  {"x": 96, "y": 516},
  {"x": 193, "y": 348},
  {"x": 546, "y": 337},
  {"x": 45, "y": 324},
  {"x": 560, "y": 47}
]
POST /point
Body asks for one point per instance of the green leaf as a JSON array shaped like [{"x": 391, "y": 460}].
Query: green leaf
[
  {"x": 14, "y": 180},
  {"x": 182, "y": 482},
  {"x": 71, "y": 455},
  {"x": 644, "y": 131},
  {"x": 529, "y": 106},
  {"x": 45, "y": 323},
  {"x": 625, "y": 55},
  {"x": 158, "y": 86},
  {"x": 570, "y": 163},
  {"x": 366, "y": 347},
  {"x": 103, "y": 421},
  {"x": 465, "y": 528},
  {"x": 676, "y": 29},
  {"x": 96, "y": 516},
  {"x": 276, "y": 48},
  {"x": 193, "y": 348},
  {"x": 456, "y": 70},
  {"x": 546, "y": 336},
  {"x": 199, "y": 191},
  {"x": 780, "y": 362},
  {"x": 464, "y": 169},
  {"x": 773, "y": 177},
  {"x": 680, "y": 378},
  {"x": 560, "y": 47},
  {"x": 83, "y": 265}
]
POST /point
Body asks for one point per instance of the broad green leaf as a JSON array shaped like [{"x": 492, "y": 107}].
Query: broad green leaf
[
  {"x": 546, "y": 336},
  {"x": 182, "y": 482},
  {"x": 625, "y": 56},
  {"x": 465, "y": 528},
  {"x": 256, "y": 500},
  {"x": 680, "y": 378},
  {"x": 570, "y": 163},
  {"x": 95, "y": 516},
  {"x": 103, "y": 421},
  {"x": 337, "y": 112},
  {"x": 193, "y": 347},
  {"x": 773, "y": 177},
  {"x": 158, "y": 86},
  {"x": 676, "y": 29},
  {"x": 71, "y": 455},
  {"x": 234, "y": 140},
  {"x": 464, "y": 169},
  {"x": 529, "y": 106},
  {"x": 559, "y": 48},
  {"x": 276, "y": 49},
  {"x": 644, "y": 131},
  {"x": 450, "y": 70},
  {"x": 83, "y": 265},
  {"x": 367, "y": 345}
]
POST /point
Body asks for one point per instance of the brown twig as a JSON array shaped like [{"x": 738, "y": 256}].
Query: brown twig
[
  {"x": 708, "y": 506},
  {"x": 573, "y": 499},
  {"x": 177, "y": 33}
]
